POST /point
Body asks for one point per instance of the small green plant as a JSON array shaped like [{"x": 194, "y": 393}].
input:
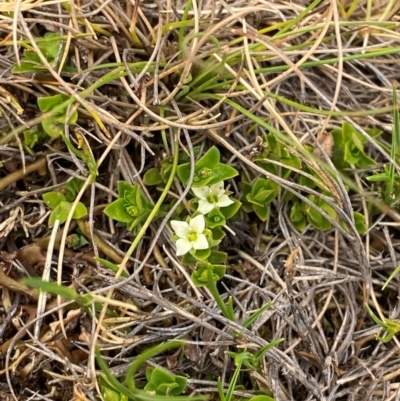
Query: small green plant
[
  {"x": 61, "y": 202},
  {"x": 349, "y": 147},
  {"x": 250, "y": 361},
  {"x": 34, "y": 136},
  {"x": 390, "y": 326},
  {"x": 161, "y": 385},
  {"x": 50, "y": 45},
  {"x": 207, "y": 171},
  {"x": 54, "y": 125},
  {"x": 162, "y": 382},
  {"x": 203, "y": 231},
  {"x": 258, "y": 197},
  {"x": 131, "y": 208},
  {"x": 273, "y": 150},
  {"x": 160, "y": 175}
]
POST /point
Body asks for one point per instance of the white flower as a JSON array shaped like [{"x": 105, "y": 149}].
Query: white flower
[
  {"x": 191, "y": 235},
  {"x": 211, "y": 197}
]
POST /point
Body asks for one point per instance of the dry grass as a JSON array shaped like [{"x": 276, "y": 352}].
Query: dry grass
[{"x": 139, "y": 78}]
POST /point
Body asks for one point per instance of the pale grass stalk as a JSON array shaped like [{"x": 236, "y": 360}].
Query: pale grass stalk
[{"x": 41, "y": 304}]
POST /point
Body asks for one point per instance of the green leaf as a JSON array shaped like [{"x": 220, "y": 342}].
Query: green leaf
[
  {"x": 383, "y": 177},
  {"x": 318, "y": 221},
  {"x": 189, "y": 259},
  {"x": 32, "y": 56},
  {"x": 217, "y": 257},
  {"x": 52, "y": 128},
  {"x": 51, "y": 288},
  {"x": 51, "y": 47},
  {"x": 202, "y": 254},
  {"x": 373, "y": 132},
  {"x": 264, "y": 191},
  {"x": 207, "y": 169},
  {"x": 391, "y": 277},
  {"x": 117, "y": 211},
  {"x": 231, "y": 210},
  {"x": 160, "y": 376},
  {"x": 297, "y": 217},
  {"x": 110, "y": 393},
  {"x": 166, "y": 168},
  {"x": 165, "y": 388},
  {"x": 181, "y": 381},
  {"x": 163, "y": 382},
  {"x": 80, "y": 211},
  {"x": 351, "y": 153},
  {"x": 391, "y": 327},
  {"x": 48, "y": 103},
  {"x": 254, "y": 316},
  {"x": 262, "y": 211},
  {"x": 29, "y": 66},
  {"x": 125, "y": 188},
  {"x": 209, "y": 160},
  {"x": 217, "y": 235},
  {"x": 365, "y": 161},
  {"x": 183, "y": 172},
  {"x": 222, "y": 172},
  {"x": 347, "y": 130},
  {"x": 60, "y": 213},
  {"x": 73, "y": 118},
  {"x": 359, "y": 220},
  {"x": 53, "y": 199},
  {"x": 72, "y": 188},
  {"x": 34, "y": 136},
  {"x": 215, "y": 218},
  {"x": 153, "y": 177}
]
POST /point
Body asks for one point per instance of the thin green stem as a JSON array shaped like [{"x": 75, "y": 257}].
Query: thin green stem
[{"x": 214, "y": 291}]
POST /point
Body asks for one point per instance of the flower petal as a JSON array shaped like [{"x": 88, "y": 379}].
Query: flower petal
[
  {"x": 217, "y": 189},
  {"x": 201, "y": 242},
  {"x": 198, "y": 224},
  {"x": 224, "y": 200},
  {"x": 202, "y": 192},
  {"x": 205, "y": 207},
  {"x": 183, "y": 246},
  {"x": 181, "y": 228}
]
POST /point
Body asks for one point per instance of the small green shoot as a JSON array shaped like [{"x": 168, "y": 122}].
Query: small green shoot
[
  {"x": 258, "y": 197},
  {"x": 162, "y": 382},
  {"x": 349, "y": 147},
  {"x": 253, "y": 361},
  {"x": 131, "y": 208},
  {"x": 167, "y": 386},
  {"x": 390, "y": 326},
  {"x": 54, "y": 126},
  {"x": 50, "y": 45},
  {"x": 61, "y": 202},
  {"x": 208, "y": 170}
]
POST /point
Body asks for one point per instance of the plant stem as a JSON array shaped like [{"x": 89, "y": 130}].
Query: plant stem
[{"x": 214, "y": 291}]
